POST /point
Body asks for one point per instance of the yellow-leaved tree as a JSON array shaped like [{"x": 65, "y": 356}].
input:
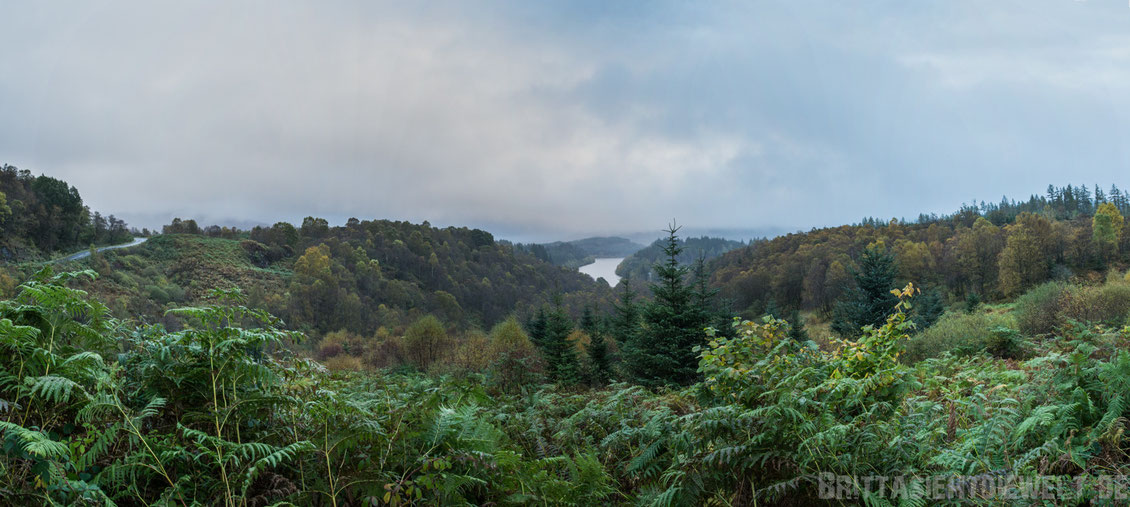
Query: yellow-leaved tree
[{"x": 1106, "y": 229}]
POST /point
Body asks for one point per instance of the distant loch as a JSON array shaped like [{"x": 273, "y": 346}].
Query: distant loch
[{"x": 603, "y": 268}]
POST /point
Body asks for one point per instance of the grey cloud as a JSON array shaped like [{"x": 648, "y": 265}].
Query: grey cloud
[{"x": 547, "y": 120}]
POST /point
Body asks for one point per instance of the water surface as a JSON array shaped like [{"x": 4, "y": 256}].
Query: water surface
[{"x": 603, "y": 268}]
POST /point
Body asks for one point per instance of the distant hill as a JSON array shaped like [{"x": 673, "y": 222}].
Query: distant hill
[
  {"x": 359, "y": 277},
  {"x": 638, "y": 266},
  {"x": 746, "y": 234},
  {"x": 577, "y": 253},
  {"x": 608, "y": 246}
]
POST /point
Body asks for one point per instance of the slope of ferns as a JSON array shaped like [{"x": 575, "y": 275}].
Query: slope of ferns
[{"x": 93, "y": 411}]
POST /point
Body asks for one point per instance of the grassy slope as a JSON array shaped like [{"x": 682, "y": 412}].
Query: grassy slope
[{"x": 173, "y": 270}]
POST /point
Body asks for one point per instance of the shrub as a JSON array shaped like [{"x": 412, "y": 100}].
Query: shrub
[
  {"x": 1038, "y": 310},
  {"x": 1106, "y": 304},
  {"x": 473, "y": 353},
  {"x": 426, "y": 342},
  {"x": 328, "y": 350},
  {"x": 157, "y": 294},
  {"x": 174, "y": 292},
  {"x": 1004, "y": 343},
  {"x": 972, "y": 302},
  {"x": 960, "y": 333},
  {"x": 339, "y": 343},
  {"x": 7, "y": 285},
  {"x": 386, "y": 351},
  {"x": 515, "y": 359},
  {"x": 343, "y": 363}
]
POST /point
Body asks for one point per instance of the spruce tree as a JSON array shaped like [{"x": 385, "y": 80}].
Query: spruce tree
[
  {"x": 560, "y": 353},
  {"x": 673, "y": 324},
  {"x": 589, "y": 323},
  {"x": 796, "y": 326},
  {"x": 870, "y": 301},
  {"x": 704, "y": 298},
  {"x": 535, "y": 327},
  {"x": 927, "y": 309},
  {"x": 598, "y": 348},
  {"x": 625, "y": 320},
  {"x": 772, "y": 310}
]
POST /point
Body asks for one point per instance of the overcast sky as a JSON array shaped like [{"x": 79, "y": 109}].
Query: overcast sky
[{"x": 545, "y": 122}]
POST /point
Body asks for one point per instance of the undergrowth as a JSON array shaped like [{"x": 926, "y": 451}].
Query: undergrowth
[{"x": 95, "y": 411}]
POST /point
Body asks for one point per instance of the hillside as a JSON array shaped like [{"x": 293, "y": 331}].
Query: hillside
[
  {"x": 639, "y": 265},
  {"x": 990, "y": 251},
  {"x": 360, "y": 277}
]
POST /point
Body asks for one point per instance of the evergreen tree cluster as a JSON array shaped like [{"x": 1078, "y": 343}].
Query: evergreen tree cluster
[{"x": 656, "y": 339}]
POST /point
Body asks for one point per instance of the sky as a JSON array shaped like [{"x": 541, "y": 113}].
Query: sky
[{"x": 542, "y": 121}]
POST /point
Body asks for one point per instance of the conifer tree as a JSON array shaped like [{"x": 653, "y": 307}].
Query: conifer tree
[
  {"x": 928, "y": 308},
  {"x": 560, "y": 353},
  {"x": 625, "y": 319},
  {"x": 589, "y": 323},
  {"x": 535, "y": 327},
  {"x": 772, "y": 310},
  {"x": 597, "y": 349},
  {"x": 704, "y": 297},
  {"x": 673, "y": 324},
  {"x": 871, "y": 300},
  {"x": 796, "y": 326}
]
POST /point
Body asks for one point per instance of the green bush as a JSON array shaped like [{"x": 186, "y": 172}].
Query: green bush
[
  {"x": 1005, "y": 343},
  {"x": 157, "y": 294},
  {"x": 1038, "y": 311},
  {"x": 1105, "y": 304},
  {"x": 961, "y": 333}
]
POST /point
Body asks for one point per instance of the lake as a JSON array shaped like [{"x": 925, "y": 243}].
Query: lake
[{"x": 603, "y": 268}]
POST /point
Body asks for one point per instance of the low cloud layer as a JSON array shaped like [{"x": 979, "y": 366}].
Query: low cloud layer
[{"x": 545, "y": 122}]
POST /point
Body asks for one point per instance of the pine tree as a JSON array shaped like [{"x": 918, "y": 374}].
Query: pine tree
[
  {"x": 871, "y": 300},
  {"x": 673, "y": 325}
]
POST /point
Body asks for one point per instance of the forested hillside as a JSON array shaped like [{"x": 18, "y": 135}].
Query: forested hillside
[
  {"x": 41, "y": 215},
  {"x": 358, "y": 278},
  {"x": 989, "y": 251},
  {"x": 639, "y": 265}
]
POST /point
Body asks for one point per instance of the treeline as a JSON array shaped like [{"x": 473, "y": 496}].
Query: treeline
[
  {"x": 989, "y": 252},
  {"x": 638, "y": 266},
  {"x": 41, "y": 214},
  {"x": 189, "y": 226}
]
